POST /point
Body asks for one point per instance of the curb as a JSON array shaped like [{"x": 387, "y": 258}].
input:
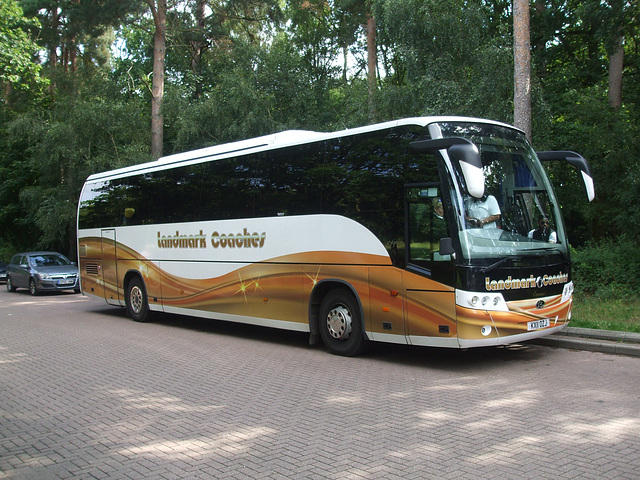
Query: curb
[{"x": 604, "y": 341}]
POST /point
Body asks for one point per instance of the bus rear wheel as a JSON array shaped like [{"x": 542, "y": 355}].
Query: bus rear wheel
[
  {"x": 341, "y": 327},
  {"x": 136, "y": 300}
]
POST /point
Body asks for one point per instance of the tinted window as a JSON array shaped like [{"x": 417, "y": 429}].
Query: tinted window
[
  {"x": 167, "y": 196},
  {"x": 227, "y": 188},
  {"x": 361, "y": 177}
]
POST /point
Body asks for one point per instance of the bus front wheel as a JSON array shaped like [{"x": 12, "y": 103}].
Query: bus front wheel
[
  {"x": 136, "y": 300},
  {"x": 341, "y": 327}
]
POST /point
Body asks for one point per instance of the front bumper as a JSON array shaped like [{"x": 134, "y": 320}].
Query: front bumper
[
  {"x": 69, "y": 283},
  {"x": 522, "y": 321}
]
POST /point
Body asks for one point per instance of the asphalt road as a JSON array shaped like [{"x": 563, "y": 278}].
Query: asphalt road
[{"x": 87, "y": 393}]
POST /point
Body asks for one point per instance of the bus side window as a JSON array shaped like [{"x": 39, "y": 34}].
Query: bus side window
[
  {"x": 427, "y": 225},
  {"x": 419, "y": 233},
  {"x": 438, "y": 230}
]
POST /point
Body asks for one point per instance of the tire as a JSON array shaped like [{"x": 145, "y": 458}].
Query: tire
[
  {"x": 10, "y": 287},
  {"x": 136, "y": 300},
  {"x": 341, "y": 327},
  {"x": 33, "y": 289}
]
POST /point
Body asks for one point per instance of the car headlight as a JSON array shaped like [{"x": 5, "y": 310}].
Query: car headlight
[{"x": 44, "y": 276}]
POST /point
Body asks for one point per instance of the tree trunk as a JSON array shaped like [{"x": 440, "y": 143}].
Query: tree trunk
[
  {"x": 198, "y": 47},
  {"x": 345, "y": 61},
  {"x": 522, "y": 67},
  {"x": 371, "y": 64},
  {"x": 616, "y": 64},
  {"x": 7, "y": 94},
  {"x": 53, "y": 46},
  {"x": 539, "y": 48},
  {"x": 159, "y": 11},
  {"x": 73, "y": 54}
]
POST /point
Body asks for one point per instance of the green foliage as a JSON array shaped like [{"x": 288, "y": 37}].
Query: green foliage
[
  {"x": 253, "y": 67},
  {"x": 17, "y": 68},
  {"x": 48, "y": 156},
  {"x": 448, "y": 58},
  {"x": 610, "y": 140},
  {"x": 263, "y": 89},
  {"x": 609, "y": 269}
]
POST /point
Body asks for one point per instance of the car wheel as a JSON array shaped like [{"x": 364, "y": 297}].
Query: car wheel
[
  {"x": 33, "y": 289},
  {"x": 10, "y": 287},
  {"x": 341, "y": 326},
  {"x": 136, "y": 300}
]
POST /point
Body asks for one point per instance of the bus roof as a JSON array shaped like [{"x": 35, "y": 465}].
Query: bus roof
[{"x": 268, "y": 142}]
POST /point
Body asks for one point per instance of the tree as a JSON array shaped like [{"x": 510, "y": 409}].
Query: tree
[
  {"x": 372, "y": 63},
  {"x": 198, "y": 46},
  {"x": 618, "y": 12},
  {"x": 522, "y": 66},
  {"x": 616, "y": 64},
  {"x": 67, "y": 26},
  {"x": 444, "y": 57},
  {"x": 17, "y": 49},
  {"x": 159, "y": 14},
  {"x": 49, "y": 153}
]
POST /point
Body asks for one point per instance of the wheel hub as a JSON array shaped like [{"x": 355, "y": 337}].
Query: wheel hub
[
  {"x": 136, "y": 299},
  {"x": 339, "y": 323}
]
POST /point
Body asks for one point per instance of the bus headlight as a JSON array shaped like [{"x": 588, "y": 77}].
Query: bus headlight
[{"x": 481, "y": 301}]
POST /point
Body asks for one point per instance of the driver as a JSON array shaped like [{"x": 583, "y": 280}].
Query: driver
[{"x": 483, "y": 212}]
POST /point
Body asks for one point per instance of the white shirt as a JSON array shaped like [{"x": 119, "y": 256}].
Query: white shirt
[
  {"x": 481, "y": 209},
  {"x": 553, "y": 237}
]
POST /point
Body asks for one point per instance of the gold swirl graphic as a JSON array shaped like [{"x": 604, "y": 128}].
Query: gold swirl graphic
[{"x": 394, "y": 301}]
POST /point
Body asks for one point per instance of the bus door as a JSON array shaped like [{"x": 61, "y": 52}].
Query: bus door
[
  {"x": 386, "y": 318},
  {"x": 429, "y": 276},
  {"x": 110, "y": 266}
]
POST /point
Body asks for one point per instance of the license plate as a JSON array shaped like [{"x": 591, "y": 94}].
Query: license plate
[
  {"x": 68, "y": 281},
  {"x": 538, "y": 324}
]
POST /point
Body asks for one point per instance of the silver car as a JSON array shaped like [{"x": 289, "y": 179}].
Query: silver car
[{"x": 42, "y": 272}]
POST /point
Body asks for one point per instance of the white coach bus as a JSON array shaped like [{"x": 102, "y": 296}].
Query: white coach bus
[{"x": 437, "y": 231}]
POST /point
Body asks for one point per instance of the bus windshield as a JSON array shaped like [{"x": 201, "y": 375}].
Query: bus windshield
[{"x": 518, "y": 214}]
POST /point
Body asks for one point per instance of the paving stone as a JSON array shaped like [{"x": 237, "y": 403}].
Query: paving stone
[{"x": 87, "y": 393}]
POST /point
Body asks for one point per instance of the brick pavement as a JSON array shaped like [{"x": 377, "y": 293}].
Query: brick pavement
[{"x": 87, "y": 393}]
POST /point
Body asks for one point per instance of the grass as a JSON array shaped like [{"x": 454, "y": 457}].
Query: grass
[{"x": 606, "y": 314}]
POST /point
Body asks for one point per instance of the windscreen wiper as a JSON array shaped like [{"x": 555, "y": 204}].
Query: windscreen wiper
[
  {"x": 494, "y": 265},
  {"x": 549, "y": 250}
]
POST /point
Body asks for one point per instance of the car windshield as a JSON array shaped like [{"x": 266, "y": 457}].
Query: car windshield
[
  {"x": 519, "y": 214},
  {"x": 48, "y": 260}
]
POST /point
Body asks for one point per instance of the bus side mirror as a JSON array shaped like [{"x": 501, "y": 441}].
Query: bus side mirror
[
  {"x": 446, "y": 246},
  {"x": 577, "y": 161},
  {"x": 462, "y": 151}
]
